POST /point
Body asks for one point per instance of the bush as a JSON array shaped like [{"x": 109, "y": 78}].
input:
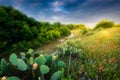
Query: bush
[
  {"x": 29, "y": 66},
  {"x": 104, "y": 24},
  {"x": 64, "y": 31},
  {"x": 53, "y": 34}
]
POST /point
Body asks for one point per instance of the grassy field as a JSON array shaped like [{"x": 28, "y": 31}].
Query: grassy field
[
  {"x": 103, "y": 41},
  {"x": 99, "y": 59},
  {"x": 91, "y": 56}
]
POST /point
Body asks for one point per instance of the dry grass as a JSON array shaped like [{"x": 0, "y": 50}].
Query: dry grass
[
  {"x": 101, "y": 41},
  {"x": 105, "y": 41}
]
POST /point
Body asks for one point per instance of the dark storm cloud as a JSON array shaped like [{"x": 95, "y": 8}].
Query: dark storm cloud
[{"x": 68, "y": 11}]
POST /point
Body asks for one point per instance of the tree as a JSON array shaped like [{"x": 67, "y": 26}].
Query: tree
[
  {"x": 35, "y": 32},
  {"x": 64, "y": 31},
  {"x": 26, "y": 32},
  {"x": 57, "y": 24},
  {"x": 104, "y": 24}
]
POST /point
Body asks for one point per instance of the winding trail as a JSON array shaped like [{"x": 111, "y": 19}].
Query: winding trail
[{"x": 51, "y": 46}]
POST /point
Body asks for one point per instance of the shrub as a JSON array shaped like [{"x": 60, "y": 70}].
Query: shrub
[
  {"x": 104, "y": 24},
  {"x": 31, "y": 66},
  {"x": 64, "y": 31}
]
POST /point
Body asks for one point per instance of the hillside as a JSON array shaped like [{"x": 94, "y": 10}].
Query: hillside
[
  {"x": 104, "y": 41},
  {"x": 33, "y": 50},
  {"x": 19, "y": 32}
]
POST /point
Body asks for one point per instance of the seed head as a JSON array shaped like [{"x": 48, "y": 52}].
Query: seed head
[
  {"x": 80, "y": 71},
  {"x": 35, "y": 66},
  {"x": 41, "y": 55},
  {"x": 100, "y": 68},
  {"x": 4, "y": 78},
  {"x": 113, "y": 59},
  {"x": 54, "y": 57}
]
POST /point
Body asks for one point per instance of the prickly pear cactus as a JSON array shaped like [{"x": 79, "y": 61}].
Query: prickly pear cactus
[
  {"x": 4, "y": 66},
  {"x": 1, "y": 72},
  {"x": 31, "y": 60},
  {"x": 40, "y": 60},
  {"x": 56, "y": 75},
  {"x": 21, "y": 65},
  {"x": 48, "y": 58},
  {"x": 44, "y": 69},
  {"x": 13, "y": 78},
  {"x": 60, "y": 64},
  {"x": 13, "y": 59},
  {"x": 22, "y": 55},
  {"x": 30, "y": 51}
]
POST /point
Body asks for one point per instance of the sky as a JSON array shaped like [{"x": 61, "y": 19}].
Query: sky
[{"x": 88, "y": 12}]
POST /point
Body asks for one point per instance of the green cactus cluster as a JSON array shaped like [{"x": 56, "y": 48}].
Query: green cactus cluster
[
  {"x": 70, "y": 47},
  {"x": 70, "y": 52},
  {"x": 31, "y": 65}
]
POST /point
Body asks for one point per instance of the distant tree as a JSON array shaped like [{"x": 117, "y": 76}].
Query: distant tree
[
  {"x": 57, "y": 24},
  {"x": 104, "y": 24},
  {"x": 35, "y": 32},
  {"x": 81, "y": 26},
  {"x": 20, "y": 32},
  {"x": 27, "y": 32},
  {"x": 70, "y": 26},
  {"x": 64, "y": 31}
]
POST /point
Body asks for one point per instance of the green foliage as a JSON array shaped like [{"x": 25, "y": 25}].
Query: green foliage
[
  {"x": 21, "y": 65},
  {"x": 48, "y": 58},
  {"x": 4, "y": 66},
  {"x": 91, "y": 60},
  {"x": 2, "y": 44},
  {"x": 53, "y": 34},
  {"x": 104, "y": 24},
  {"x": 13, "y": 78},
  {"x": 22, "y": 55},
  {"x": 30, "y": 51},
  {"x": 85, "y": 31},
  {"x": 40, "y": 60},
  {"x": 1, "y": 72},
  {"x": 34, "y": 31},
  {"x": 26, "y": 32},
  {"x": 31, "y": 60},
  {"x": 70, "y": 47},
  {"x": 64, "y": 31},
  {"x": 44, "y": 69},
  {"x": 56, "y": 75},
  {"x": 57, "y": 24},
  {"x": 81, "y": 26},
  {"x": 75, "y": 26},
  {"x": 17, "y": 62},
  {"x": 60, "y": 64},
  {"x": 13, "y": 59},
  {"x": 70, "y": 26},
  {"x": 19, "y": 32},
  {"x": 31, "y": 66}
]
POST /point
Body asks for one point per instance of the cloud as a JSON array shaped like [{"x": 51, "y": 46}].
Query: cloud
[
  {"x": 57, "y": 4},
  {"x": 57, "y": 9},
  {"x": 57, "y": 18},
  {"x": 88, "y": 12}
]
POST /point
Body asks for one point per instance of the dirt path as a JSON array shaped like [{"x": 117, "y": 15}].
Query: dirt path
[{"x": 52, "y": 45}]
